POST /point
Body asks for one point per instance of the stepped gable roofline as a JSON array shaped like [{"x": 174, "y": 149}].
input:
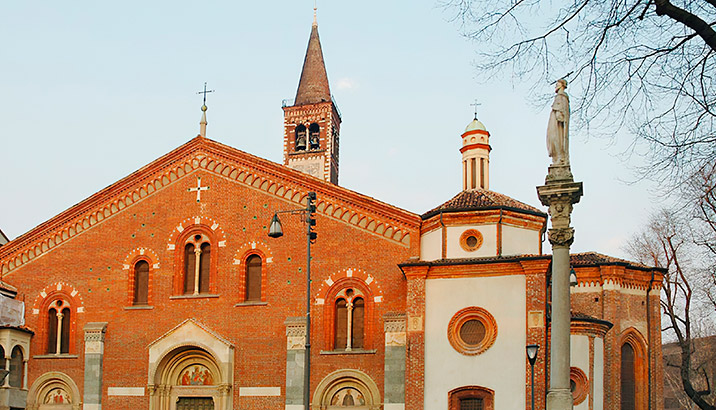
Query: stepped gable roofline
[
  {"x": 478, "y": 199},
  {"x": 313, "y": 86},
  {"x": 585, "y": 259},
  {"x": 391, "y": 217}
]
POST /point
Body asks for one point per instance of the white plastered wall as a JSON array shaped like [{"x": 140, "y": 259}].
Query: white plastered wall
[
  {"x": 579, "y": 357},
  {"x": 598, "y": 373},
  {"x": 431, "y": 245},
  {"x": 519, "y": 241},
  {"x": 446, "y": 369}
]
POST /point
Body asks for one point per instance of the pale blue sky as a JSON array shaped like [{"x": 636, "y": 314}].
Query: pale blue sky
[{"x": 92, "y": 91}]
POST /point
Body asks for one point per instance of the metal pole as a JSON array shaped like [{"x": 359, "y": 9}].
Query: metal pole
[
  {"x": 307, "y": 369},
  {"x": 533, "y": 384}
]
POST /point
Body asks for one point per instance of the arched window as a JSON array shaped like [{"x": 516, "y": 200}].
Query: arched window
[
  {"x": 141, "y": 283},
  {"x": 197, "y": 265},
  {"x": 633, "y": 371},
  {"x": 301, "y": 137},
  {"x": 314, "y": 136},
  {"x": 189, "y": 264},
  {"x": 204, "y": 267},
  {"x": 471, "y": 398},
  {"x": 628, "y": 382},
  {"x": 58, "y": 327},
  {"x": 253, "y": 278},
  {"x": 341, "y": 330},
  {"x": 16, "y": 368},
  {"x": 349, "y": 329}
]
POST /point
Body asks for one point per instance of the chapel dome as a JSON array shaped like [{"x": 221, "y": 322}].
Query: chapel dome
[{"x": 475, "y": 125}]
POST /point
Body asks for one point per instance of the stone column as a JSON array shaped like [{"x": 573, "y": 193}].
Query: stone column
[
  {"x": 295, "y": 361},
  {"x": 559, "y": 193},
  {"x": 94, "y": 352},
  {"x": 394, "y": 367}
]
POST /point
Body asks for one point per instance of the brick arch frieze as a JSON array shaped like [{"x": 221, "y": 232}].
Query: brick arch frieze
[{"x": 118, "y": 198}]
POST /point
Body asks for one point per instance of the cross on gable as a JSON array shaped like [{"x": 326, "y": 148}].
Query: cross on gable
[
  {"x": 198, "y": 189},
  {"x": 205, "y": 92}
]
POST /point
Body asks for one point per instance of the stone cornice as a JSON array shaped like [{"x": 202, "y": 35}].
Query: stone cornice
[{"x": 362, "y": 212}]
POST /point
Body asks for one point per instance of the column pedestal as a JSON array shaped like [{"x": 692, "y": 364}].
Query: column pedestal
[
  {"x": 295, "y": 361},
  {"x": 94, "y": 352}
]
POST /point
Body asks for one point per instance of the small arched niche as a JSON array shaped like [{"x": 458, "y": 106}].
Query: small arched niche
[
  {"x": 347, "y": 389},
  {"x": 54, "y": 391}
]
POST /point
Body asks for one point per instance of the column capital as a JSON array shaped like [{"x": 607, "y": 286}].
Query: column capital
[
  {"x": 394, "y": 322},
  {"x": 94, "y": 331},
  {"x": 295, "y": 333},
  {"x": 560, "y": 192},
  {"x": 561, "y": 237}
]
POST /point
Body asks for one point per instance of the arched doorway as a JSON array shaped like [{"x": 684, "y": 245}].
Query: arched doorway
[
  {"x": 188, "y": 378},
  {"x": 346, "y": 390},
  {"x": 190, "y": 368}
]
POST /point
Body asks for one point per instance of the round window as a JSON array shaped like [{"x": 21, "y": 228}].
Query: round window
[
  {"x": 579, "y": 384},
  {"x": 472, "y": 330},
  {"x": 471, "y": 240}
]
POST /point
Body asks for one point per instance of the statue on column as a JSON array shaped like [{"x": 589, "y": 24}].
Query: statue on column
[{"x": 558, "y": 126}]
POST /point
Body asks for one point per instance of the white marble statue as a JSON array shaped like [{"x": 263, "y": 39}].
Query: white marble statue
[{"x": 558, "y": 126}]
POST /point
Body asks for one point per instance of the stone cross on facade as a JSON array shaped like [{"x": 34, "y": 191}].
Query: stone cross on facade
[{"x": 198, "y": 189}]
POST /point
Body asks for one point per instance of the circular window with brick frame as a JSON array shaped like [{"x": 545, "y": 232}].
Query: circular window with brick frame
[
  {"x": 471, "y": 240},
  {"x": 579, "y": 384},
  {"x": 472, "y": 330}
]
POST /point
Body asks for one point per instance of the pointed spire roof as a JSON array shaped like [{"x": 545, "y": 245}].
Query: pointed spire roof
[{"x": 313, "y": 86}]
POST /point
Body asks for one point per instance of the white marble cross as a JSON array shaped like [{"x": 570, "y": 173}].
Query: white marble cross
[{"x": 198, "y": 189}]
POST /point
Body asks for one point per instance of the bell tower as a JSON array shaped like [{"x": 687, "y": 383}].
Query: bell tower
[
  {"x": 312, "y": 124},
  {"x": 475, "y": 156}
]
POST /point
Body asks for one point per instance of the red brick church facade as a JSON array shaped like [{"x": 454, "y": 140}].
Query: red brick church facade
[{"x": 164, "y": 291}]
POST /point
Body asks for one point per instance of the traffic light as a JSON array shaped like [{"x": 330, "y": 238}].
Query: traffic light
[{"x": 311, "y": 208}]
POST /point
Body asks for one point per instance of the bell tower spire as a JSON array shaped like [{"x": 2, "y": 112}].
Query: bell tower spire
[{"x": 312, "y": 122}]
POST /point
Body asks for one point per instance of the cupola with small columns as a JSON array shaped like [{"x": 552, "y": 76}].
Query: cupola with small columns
[{"x": 475, "y": 156}]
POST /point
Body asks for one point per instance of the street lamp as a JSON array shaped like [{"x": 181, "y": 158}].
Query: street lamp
[
  {"x": 276, "y": 231},
  {"x": 573, "y": 278},
  {"x": 532, "y": 357}
]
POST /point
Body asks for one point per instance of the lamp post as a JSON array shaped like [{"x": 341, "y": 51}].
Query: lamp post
[
  {"x": 276, "y": 231},
  {"x": 532, "y": 357}
]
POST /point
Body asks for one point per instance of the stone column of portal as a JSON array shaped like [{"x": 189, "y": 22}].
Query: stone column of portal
[
  {"x": 394, "y": 361},
  {"x": 559, "y": 193},
  {"x": 94, "y": 352},
  {"x": 295, "y": 361}
]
